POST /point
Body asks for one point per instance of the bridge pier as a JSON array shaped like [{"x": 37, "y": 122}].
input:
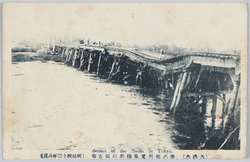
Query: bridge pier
[
  {"x": 214, "y": 106},
  {"x": 75, "y": 58},
  {"x": 90, "y": 61},
  {"x": 204, "y": 105},
  {"x": 232, "y": 109},
  {"x": 99, "y": 63}
]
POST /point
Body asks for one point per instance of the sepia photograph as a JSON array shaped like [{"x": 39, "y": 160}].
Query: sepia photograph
[{"x": 124, "y": 80}]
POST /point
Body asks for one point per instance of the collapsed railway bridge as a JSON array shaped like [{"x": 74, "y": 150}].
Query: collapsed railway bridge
[{"x": 190, "y": 80}]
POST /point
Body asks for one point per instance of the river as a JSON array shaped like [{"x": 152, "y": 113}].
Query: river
[{"x": 61, "y": 108}]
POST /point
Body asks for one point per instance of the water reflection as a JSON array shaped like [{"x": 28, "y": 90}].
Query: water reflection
[{"x": 189, "y": 130}]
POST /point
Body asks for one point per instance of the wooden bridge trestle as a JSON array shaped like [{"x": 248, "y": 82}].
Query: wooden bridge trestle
[{"x": 191, "y": 79}]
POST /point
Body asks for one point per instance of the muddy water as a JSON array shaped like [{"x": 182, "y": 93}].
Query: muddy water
[
  {"x": 62, "y": 108},
  {"x": 59, "y": 107}
]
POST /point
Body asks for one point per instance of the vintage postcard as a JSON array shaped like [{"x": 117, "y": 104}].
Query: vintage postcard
[{"x": 124, "y": 80}]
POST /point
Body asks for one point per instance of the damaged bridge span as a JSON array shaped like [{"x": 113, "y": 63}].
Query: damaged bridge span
[{"x": 190, "y": 80}]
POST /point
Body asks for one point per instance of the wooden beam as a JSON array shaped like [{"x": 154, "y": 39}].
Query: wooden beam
[
  {"x": 99, "y": 62},
  {"x": 179, "y": 93},
  {"x": 172, "y": 107},
  {"x": 89, "y": 62},
  {"x": 188, "y": 80},
  {"x": 112, "y": 69},
  {"x": 205, "y": 93},
  {"x": 224, "y": 104},
  {"x": 231, "y": 107},
  {"x": 81, "y": 58},
  {"x": 198, "y": 77},
  {"x": 222, "y": 99},
  {"x": 204, "y": 106},
  {"x": 214, "y": 105},
  {"x": 74, "y": 58},
  {"x": 218, "y": 69},
  {"x": 188, "y": 102},
  {"x": 172, "y": 79}
]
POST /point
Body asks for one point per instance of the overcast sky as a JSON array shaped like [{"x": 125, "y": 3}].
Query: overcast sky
[{"x": 218, "y": 26}]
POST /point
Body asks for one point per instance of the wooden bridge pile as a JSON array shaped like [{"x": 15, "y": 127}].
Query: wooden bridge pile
[{"x": 190, "y": 80}]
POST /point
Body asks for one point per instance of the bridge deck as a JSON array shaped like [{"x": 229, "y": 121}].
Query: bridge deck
[
  {"x": 187, "y": 77},
  {"x": 169, "y": 61}
]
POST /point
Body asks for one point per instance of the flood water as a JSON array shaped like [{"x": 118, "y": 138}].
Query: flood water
[{"x": 59, "y": 107}]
